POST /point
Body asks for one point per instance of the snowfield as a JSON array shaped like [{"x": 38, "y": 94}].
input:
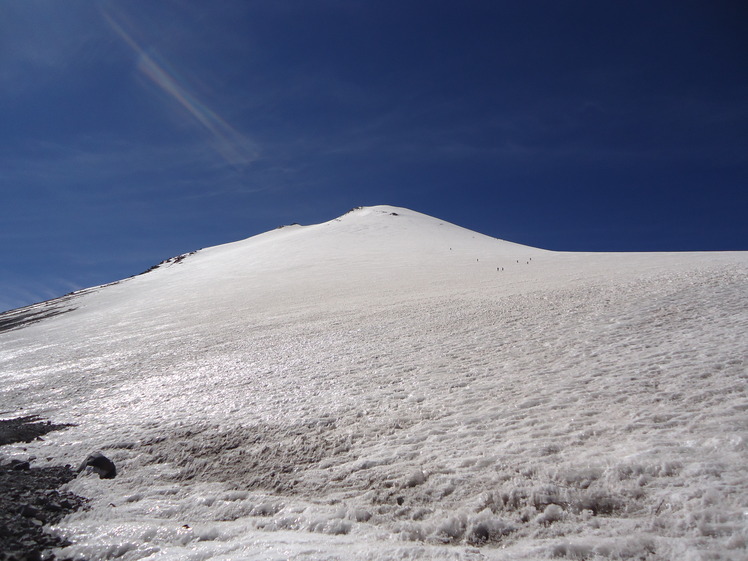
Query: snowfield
[{"x": 389, "y": 386}]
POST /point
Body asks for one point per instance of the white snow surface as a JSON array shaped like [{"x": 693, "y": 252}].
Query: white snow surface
[{"x": 388, "y": 385}]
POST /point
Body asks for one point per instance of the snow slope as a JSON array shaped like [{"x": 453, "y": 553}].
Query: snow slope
[{"x": 387, "y": 385}]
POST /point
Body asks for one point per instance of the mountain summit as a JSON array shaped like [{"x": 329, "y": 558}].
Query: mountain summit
[
  {"x": 366, "y": 240},
  {"x": 369, "y": 251}
]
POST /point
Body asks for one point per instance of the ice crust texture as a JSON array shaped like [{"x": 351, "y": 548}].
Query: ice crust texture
[{"x": 387, "y": 385}]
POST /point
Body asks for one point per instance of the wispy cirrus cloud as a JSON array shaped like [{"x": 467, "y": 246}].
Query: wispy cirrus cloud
[{"x": 233, "y": 146}]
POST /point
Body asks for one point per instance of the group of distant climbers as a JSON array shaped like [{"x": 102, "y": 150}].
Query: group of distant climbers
[{"x": 501, "y": 268}]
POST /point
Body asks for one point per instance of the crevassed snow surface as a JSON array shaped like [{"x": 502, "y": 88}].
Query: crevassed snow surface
[{"x": 387, "y": 385}]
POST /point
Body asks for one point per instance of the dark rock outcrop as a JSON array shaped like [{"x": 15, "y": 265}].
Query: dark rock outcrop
[{"x": 100, "y": 464}]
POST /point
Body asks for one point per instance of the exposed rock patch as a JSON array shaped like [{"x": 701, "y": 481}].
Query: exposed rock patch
[
  {"x": 29, "y": 496},
  {"x": 26, "y": 429}
]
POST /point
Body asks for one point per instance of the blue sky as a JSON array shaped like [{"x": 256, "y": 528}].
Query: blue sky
[{"x": 133, "y": 131}]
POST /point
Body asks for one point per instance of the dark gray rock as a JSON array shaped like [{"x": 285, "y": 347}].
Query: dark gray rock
[
  {"x": 100, "y": 464},
  {"x": 28, "y": 511}
]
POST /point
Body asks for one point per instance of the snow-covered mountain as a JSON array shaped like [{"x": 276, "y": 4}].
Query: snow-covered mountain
[{"x": 387, "y": 385}]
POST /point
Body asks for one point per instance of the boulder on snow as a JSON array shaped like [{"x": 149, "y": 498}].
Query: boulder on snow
[{"x": 100, "y": 464}]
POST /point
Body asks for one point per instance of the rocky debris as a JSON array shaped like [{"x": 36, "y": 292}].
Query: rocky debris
[
  {"x": 30, "y": 496},
  {"x": 17, "y": 319},
  {"x": 100, "y": 464},
  {"x": 29, "y": 499},
  {"x": 169, "y": 261},
  {"x": 21, "y": 317},
  {"x": 26, "y": 429},
  {"x": 19, "y": 465}
]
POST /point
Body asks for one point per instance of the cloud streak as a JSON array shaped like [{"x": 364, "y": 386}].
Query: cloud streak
[{"x": 235, "y": 148}]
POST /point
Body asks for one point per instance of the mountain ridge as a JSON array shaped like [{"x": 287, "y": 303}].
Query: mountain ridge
[
  {"x": 382, "y": 241},
  {"x": 383, "y": 252}
]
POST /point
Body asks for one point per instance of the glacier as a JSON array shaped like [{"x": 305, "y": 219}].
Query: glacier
[{"x": 388, "y": 385}]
